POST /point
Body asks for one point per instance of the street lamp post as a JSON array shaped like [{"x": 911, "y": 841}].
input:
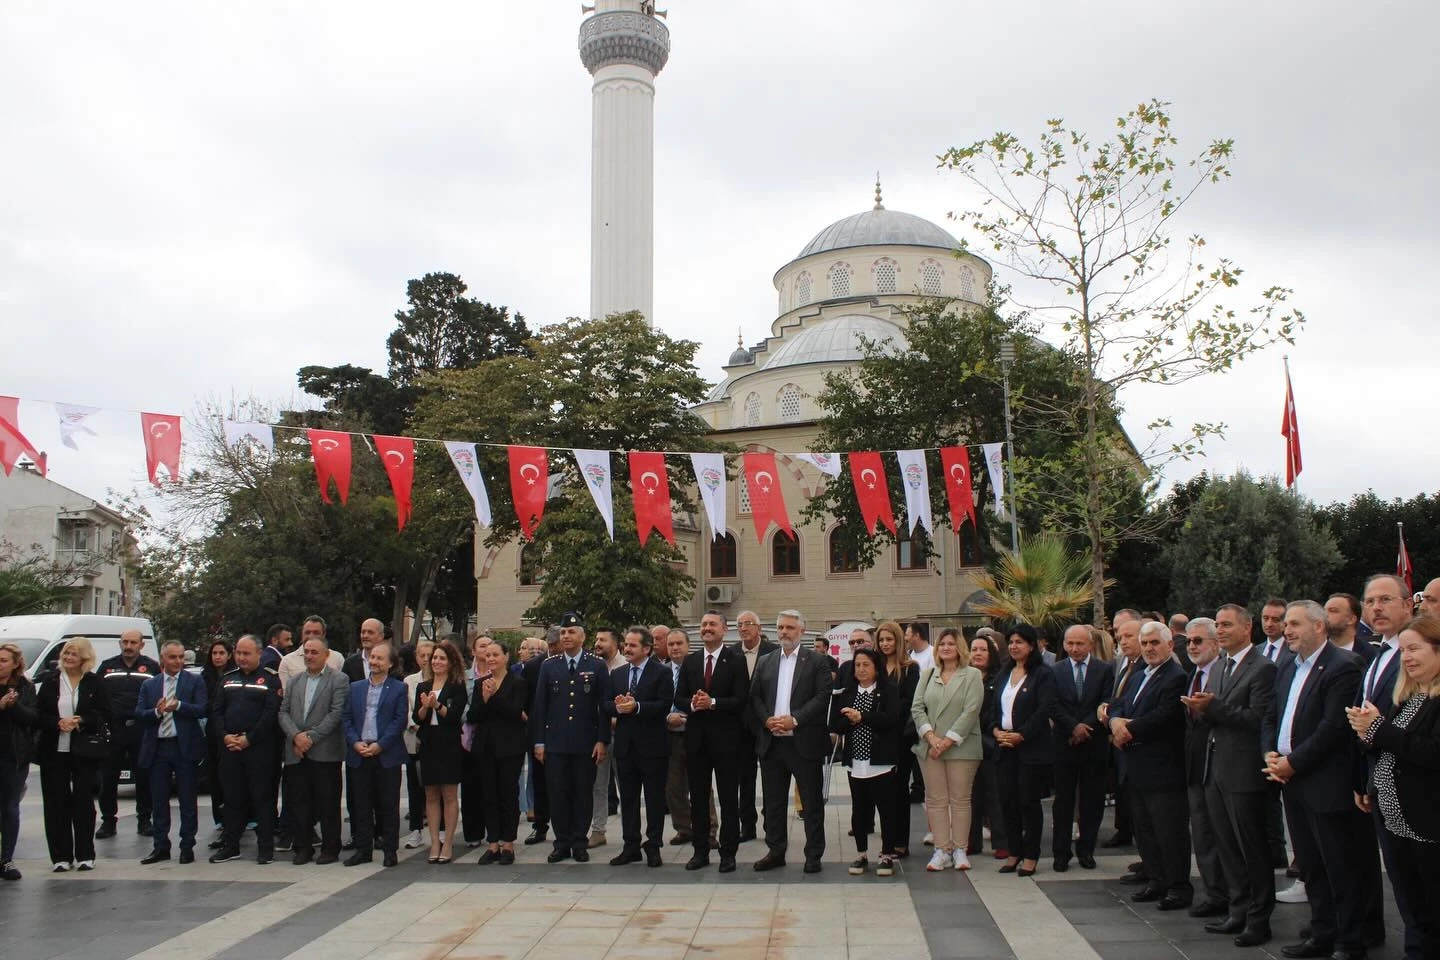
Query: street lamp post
[{"x": 1007, "y": 360}]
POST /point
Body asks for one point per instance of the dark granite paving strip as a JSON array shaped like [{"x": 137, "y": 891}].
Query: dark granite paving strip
[{"x": 956, "y": 923}]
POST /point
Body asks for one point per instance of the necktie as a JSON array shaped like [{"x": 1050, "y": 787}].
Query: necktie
[
  {"x": 167, "y": 722},
  {"x": 1080, "y": 679},
  {"x": 572, "y": 668},
  {"x": 1225, "y": 674},
  {"x": 709, "y": 668},
  {"x": 1197, "y": 682},
  {"x": 634, "y": 678},
  {"x": 1272, "y": 650}
]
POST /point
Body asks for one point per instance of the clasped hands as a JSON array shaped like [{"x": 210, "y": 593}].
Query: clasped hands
[
  {"x": 625, "y": 703},
  {"x": 235, "y": 742},
  {"x": 701, "y": 701},
  {"x": 784, "y": 724},
  {"x": 937, "y": 744}
]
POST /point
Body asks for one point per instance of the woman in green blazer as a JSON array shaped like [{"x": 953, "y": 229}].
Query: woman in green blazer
[{"x": 946, "y": 709}]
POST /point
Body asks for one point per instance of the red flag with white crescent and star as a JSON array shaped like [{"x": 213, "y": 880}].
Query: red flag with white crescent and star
[
  {"x": 867, "y": 472},
  {"x": 13, "y": 443},
  {"x": 767, "y": 500},
  {"x": 330, "y": 449},
  {"x": 529, "y": 482},
  {"x": 1290, "y": 430},
  {"x": 162, "y": 444},
  {"x": 398, "y": 456},
  {"x": 959, "y": 487},
  {"x": 650, "y": 488}
]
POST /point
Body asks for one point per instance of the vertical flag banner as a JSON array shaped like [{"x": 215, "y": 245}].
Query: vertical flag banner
[
  {"x": 872, "y": 492},
  {"x": 238, "y": 431},
  {"x": 529, "y": 480},
  {"x": 959, "y": 488},
  {"x": 1290, "y": 430},
  {"x": 162, "y": 444},
  {"x": 330, "y": 449},
  {"x": 72, "y": 421},
  {"x": 595, "y": 471},
  {"x": 710, "y": 478},
  {"x": 1403, "y": 570},
  {"x": 917, "y": 489},
  {"x": 467, "y": 464},
  {"x": 398, "y": 456},
  {"x": 650, "y": 488},
  {"x": 826, "y": 463},
  {"x": 13, "y": 443},
  {"x": 995, "y": 466},
  {"x": 767, "y": 501}
]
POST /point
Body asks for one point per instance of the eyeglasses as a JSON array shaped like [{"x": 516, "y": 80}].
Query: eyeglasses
[
  {"x": 1189, "y": 641},
  {"x": 1381, "y": 601},
  {"x": 748, "y": 623}
]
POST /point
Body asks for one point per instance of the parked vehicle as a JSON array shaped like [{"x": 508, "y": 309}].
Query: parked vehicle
[{"x": 42, "y": 636}]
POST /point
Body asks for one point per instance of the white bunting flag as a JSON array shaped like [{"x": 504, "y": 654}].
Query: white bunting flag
[
  {"x": 595, "y": 471},
  {"x": 710, "y": 477},
  {"x": 468, "y": 465},
  {"x": 238, "y": 431},
  {"x": 917, "y": 488},
  {"x": 72, "y": 421},
  {"x": 995, "y": 465},
  {"x": 826, "y": 463}
]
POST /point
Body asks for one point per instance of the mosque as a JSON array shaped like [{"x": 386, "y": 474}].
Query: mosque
[{"x": 852, "y": 280}]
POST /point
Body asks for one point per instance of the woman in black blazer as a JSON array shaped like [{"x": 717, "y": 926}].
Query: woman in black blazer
[
  {"x": 71, "y": 701},
  {"x": 497, "y": 709},
  {"x": 1019, "y": 719},
  {"x": 219, "y": 660},
  {"x": 905, "y": 674},
  {"x": 1407, "y": 774},
  {"x": 869, "y": 714},
  {"x": 439, "y": 712},
  {"x": 985, "y": 793}
]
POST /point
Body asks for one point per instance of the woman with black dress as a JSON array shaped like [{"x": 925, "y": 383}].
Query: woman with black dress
[
  {"x": 1019, "y": 719},
  {"x": 72, "y": 703},
  {"x": 869, "y": 714},
  {"x": 904, "y": 673},
  {"x": 439, "y": 711},
  {"x": 498, "y": 711},
  {"x": 985, "y": 794},
  {"x": 219, "y": 661}
]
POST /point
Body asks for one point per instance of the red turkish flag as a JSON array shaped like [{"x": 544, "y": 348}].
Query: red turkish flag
[
  {"x": 767, "y": 501},
  {"x": 529, "y": 482},
  {"x": 398, "y": 455},
  {"x": 162, "y": 444},
  {"x": 330, "y": 449},
  {"x": 1290, "y": 430},
  {"x": 650, "y": 487},
  {"x": 867, "y": 471},
  {"x": 958, "y": 486},
  {"x": 12, "y": 442},
  {"x": 1403, "y": 570}
]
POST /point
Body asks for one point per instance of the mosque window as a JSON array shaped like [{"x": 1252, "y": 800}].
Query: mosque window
[
  {"x": 723, "y": 558},
  {"x": 912, "y": 551},
  {"x": 967, "y": 284},
  {"x": 752, "y": 410},
  {"x": 532, "y": 573},
  {"x": 784, "y": 555},
  {"x": 742, "y": 495},
  {"x": 931, "y": 276},
  {"x": 789, "y": 403},
  {"x": 802, "y": 288},
  {"x": 839, "y": 280},
  {"x": 885, "y": 271},
  {"x": 844, "y": 558}
]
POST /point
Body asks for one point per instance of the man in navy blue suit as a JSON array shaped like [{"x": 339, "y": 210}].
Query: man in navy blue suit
[
  {"x": 1082, "y": 682},
  {"x": 644, "y": 690},
  {"x": 168, "y": 712},
  {"x": 374, "y": 724}
]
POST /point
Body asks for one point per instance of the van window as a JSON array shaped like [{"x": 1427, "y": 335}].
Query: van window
[{"x": 30, "y": 648}]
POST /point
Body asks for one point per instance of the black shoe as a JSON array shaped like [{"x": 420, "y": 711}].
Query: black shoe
[
  {"x": 1253, "y": 937},
  {"x": 1209, "y": 908},
  {"x": 624, "y": 857},
  {"x": 557, "y": 855},
  {"x": 680, "y": 839},
  {"x": 302, "y": 857},
  {"x": 325, "y": 859},
  {"x": 747, "y": 835},
  {"x": 155, "y": 856},
  {"x": 225, "y": 855},
  {"x": 1228, "y": 925},
  {"x": 652, "y": 858},
  {"x": 1172, "y": 903},
  {"x": 106, "y": 831},
  {"x": 1137, "y": 867},
  {"x": 357, "y": 858},
  {"x": 1308, "y": 948},
  {"x": 488, "y": 857},
  {"x": 217, "y": 844},
  {"x": 581, "y": 856},
  {"x": 1119, "y": 840},
  {"x": 536, "y": 836},
  {"x": 1348, "y": 953},
  {"x": 1086, "y": 861},
  {"x": 812, "y": 866},
  {"x": 1134, "y": 879},
  {"x": 507, "y": 857},
  {"x": 727, "y": 864},
  {"x": 698, "y": 862},
  {"x": 144, "y": 829},
  {"x": 1147, "y": 895},
  {"x": 264, "y": 858},
  {"x": 391, "y": 859},
  {"x": 770, "y": 861},
  {"x": 187, "y": 856},
  {"x": 1060, "y": 866}
]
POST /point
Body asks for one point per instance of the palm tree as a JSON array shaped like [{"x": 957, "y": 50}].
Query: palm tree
[{"x": 1043, "y": 584}]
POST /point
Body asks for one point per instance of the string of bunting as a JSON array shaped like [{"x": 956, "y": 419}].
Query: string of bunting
[{"x": 530, "y": 481}]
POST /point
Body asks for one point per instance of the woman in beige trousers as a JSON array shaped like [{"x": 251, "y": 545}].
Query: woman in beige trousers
[{"x": 947, "y": 718}]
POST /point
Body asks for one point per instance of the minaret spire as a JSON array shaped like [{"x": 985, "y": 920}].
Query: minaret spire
[{"x": 878, "y": 204}]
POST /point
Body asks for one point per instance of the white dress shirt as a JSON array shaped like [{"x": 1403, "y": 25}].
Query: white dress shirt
[
  {"x": 784, "y": 680},
  {"x": 1292, "y": 701},
  {"x": 1377, "y": 667}
]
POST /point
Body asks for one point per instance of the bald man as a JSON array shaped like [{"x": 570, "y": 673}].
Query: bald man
[
  {"x": 357, "y": 668},
  {"x": 1430, "y": 598}
]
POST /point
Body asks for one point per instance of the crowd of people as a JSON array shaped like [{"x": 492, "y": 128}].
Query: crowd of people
[{"x": 1213, "y": 745}]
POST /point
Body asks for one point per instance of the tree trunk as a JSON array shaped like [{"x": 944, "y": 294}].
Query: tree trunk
[
  {"x": 1094, "y": 529},
  {"x": 427, "y": 585},
  {"x": 397, "y": 613}
]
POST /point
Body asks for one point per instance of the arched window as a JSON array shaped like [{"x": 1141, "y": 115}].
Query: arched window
[
  {"x": 969, "y": 546},
  {"x": 843, "y": 556},
  {"x": 885, "y": 272},
  {"x": 967, "y": 283},
  {"x": 802, "y": 288},
  {"x": 742, "y": 495},
  {"x": 839, "y": 280},
  {"x": 723, "y": 558},
  {"x": 932, "y": 276},
  {"x": 532, "y": 573},
  {"x": 911, "y": 549},
  {"x": 788, "y": 401},
  {"x": 784, "y": 555},
  {"x": 752, "y": 410}
]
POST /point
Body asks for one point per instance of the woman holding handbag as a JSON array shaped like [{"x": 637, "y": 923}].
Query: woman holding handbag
[{"x": 74, "y": 741}]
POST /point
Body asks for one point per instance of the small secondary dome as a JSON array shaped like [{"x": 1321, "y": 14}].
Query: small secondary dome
[
  {"x": 837, "y": 339},
  {"x": 879, "y": 227},
  {"x": 741, "y": 356}
]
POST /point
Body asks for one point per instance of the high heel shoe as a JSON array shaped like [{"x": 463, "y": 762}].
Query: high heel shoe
[
  {"x": 1010, "y": 867},
  {"x": 1025, "y": 871}
]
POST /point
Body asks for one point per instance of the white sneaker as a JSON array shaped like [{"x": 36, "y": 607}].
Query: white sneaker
[
  {"x": 413, "y": 840},
  {"x": 961, "y": 860},
  {"x": 85, "y": 865},
  {"x": 1295, "y": 893},
  {"x": 939, "y": 860},
  {"x": 61, "y": 866},
  {"x": 929, "y": 840}
]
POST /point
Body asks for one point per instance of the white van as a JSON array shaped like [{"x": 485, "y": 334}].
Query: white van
[{"x": 42, "y": 636}]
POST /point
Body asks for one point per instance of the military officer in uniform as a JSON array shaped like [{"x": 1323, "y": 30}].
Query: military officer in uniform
[
  {"x": 124, "y": 674},
  {"x": 246, "y": 708},
  {"x": 570, "y": 735}
]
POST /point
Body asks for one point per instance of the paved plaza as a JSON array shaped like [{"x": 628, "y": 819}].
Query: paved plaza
[{"x": 416, "y": 911}]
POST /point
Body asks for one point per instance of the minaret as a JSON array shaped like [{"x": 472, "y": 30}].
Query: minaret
[{"x": 623, "y": 46}]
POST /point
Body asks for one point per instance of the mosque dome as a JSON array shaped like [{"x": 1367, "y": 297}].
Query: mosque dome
[
  {"x": 879, "y": 227},
  {"x": 836, "y": 339}
]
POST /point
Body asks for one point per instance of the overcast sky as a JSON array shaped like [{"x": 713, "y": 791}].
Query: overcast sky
[{"x": 198, "y": 199}]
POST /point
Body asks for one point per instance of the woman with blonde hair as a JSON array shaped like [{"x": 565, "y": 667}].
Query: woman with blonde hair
[
  {"x": 413, "y": 786},
  {"x": 946, "y": 710},
  {"x": 73, "y": 711},
  {"x": 19, "y": 719}
]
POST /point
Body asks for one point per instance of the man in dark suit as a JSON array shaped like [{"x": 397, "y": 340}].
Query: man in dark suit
[
  {"x": 1342, "y": 619},
  {"x": 310, "y": 718},
  {"x": 752, "y": 645},
  {"x": 644, "y": 693},
  {"x": 571, "y": 736},
  {"x": 714, "y": 693},
  {"x": 1312, "y": 753},
  {"x": 540, "y": 795},
  {"x": 1148, "y": 726},
  {"x": 789, "y": 705},
  {"x": 277, "y": 644},
  {"x": 1236, "y": 793},
  {"x": 374, "y": 721},
  {"x": 1204, "y": 677},
  {"x": 1272, "y": 645},
  {"x": 1128, "y": 665},
  {"x": 168, "y": 712},
  {"x": 1082, "y": 682}
]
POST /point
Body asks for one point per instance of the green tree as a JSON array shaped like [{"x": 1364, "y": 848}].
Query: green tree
[
  {"x": 1089, "y": 224},
  {"x": 1245, "y": 540},
  {"x": 1365, "y": 529},
  {"x": 1138, "y": 567},
  {"x": 445, "y": 330},
  {"x": 1044, "y": 584},
  {"x": 24, "y": 590}
]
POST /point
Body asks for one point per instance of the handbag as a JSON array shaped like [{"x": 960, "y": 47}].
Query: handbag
[{"x": 91, "y": 744}]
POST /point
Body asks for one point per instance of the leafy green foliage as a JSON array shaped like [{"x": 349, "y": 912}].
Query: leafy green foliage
[
  {"x": 1044, "y": 584},
  {"x": 1365, "y": 530}
]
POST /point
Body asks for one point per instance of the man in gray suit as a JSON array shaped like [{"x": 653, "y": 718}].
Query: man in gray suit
[
  {"x": 314, "y": 748},
  {"x": 1236, "y": 793},
  {"x": 1205, "y": 678},
  {"x": 789, "y": 702}
]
